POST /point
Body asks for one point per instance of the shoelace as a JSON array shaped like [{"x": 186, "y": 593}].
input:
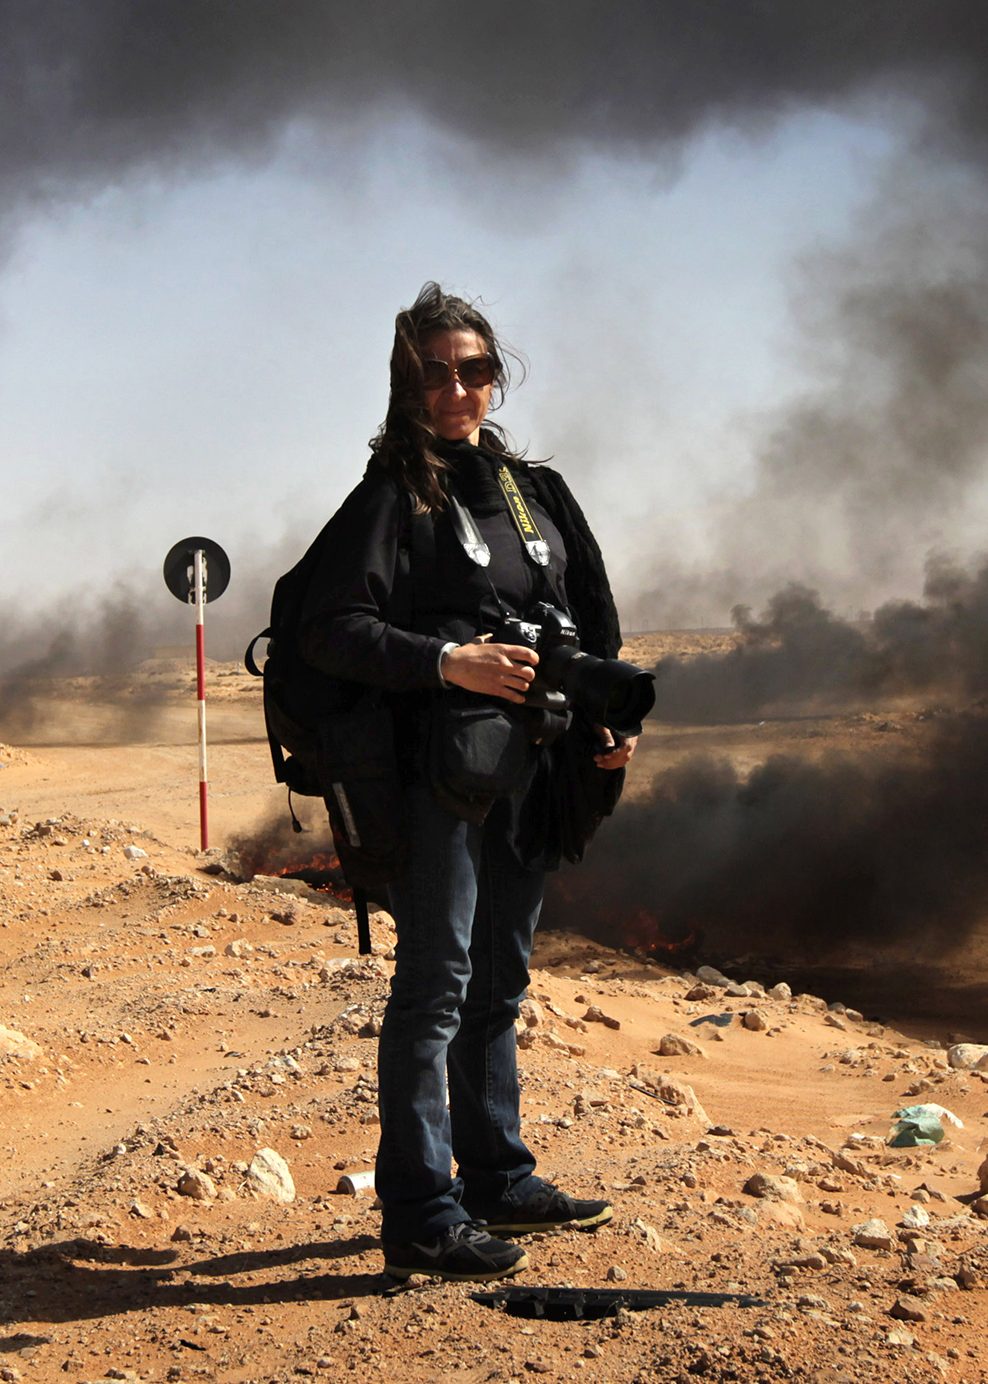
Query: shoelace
[{"x": 549, "y": 1196}]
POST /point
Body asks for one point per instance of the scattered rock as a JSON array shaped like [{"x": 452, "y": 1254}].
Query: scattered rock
[
  {"x": 197, "y": 1185},
  {"x": 907, "y": 1308},
  {"x": 676, "y": 1094},
  {"x": 966, "y": 1057},
  {"x": 531, "y": 1012},
  {"x": 646, "y": 1233},
  {"x": 755, "y": 1020},
  {"x": 555, "y": 1040},
  {"x": 269, "y": 1176},
  {"x": 773, "y": 1187},
  {"x": 873, "y": 1234},
  {"x": 784, "y": 1213},
  {"x": 15, "y": 1044},
  {"x": 916, "y": 1218},
  {"x": 675, "y": 1045},
  {"x": 594, "y": 1015},
  {"x": 135, "y": 853},
  {"x": 703, "y": 992}
]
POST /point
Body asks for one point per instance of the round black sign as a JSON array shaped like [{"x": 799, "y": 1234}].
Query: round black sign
[{"x": 180, "y": 564}]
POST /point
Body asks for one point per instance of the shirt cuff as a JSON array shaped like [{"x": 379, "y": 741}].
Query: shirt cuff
[{"x": 446, "y": 648}]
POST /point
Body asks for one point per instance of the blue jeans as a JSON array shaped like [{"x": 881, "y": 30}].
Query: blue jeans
[{"x": 465, "y": 912}]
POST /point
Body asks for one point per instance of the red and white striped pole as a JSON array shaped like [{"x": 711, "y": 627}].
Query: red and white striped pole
[
  {"x": 199, "y": 597},
  {"x": 197, "y": 571}
]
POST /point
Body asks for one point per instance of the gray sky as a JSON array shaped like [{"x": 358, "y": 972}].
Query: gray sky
[{"x": 742, "y": 252}]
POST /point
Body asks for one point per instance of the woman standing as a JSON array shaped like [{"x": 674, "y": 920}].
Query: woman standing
[{"x": 465, "y": 906}]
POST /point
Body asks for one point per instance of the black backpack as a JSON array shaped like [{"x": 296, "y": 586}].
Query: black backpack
[
  {"x": 296, "y": 695},
  {"x": 339, "y": 740}
]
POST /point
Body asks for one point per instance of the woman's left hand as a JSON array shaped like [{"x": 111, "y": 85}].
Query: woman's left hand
[{"x": 613, "y": 755}]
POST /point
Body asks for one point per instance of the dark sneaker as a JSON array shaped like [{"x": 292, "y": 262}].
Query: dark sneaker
[
  {"x": 548, "y": 1209},
  {"x": 463, "y": 1253}
]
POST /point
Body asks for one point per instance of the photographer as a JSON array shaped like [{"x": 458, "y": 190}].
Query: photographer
[{"x": 430, "y": 562}]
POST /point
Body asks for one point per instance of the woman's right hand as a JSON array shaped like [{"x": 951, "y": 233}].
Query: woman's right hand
[{"x": 495, "y": 670}]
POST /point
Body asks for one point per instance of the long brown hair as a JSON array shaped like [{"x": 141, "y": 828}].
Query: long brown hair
[{"x": 405, "y": 443}]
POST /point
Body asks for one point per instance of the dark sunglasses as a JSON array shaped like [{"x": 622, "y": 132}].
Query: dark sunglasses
[{"x": 473, "y": 373}]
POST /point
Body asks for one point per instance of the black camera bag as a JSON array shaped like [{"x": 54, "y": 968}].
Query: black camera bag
[{"x": 477, "y": 752}]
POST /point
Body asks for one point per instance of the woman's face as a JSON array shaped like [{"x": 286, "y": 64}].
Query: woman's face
[{"x": 456, "y": 411}]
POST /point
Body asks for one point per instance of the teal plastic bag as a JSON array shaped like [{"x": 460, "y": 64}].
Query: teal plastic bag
[{"x": 915, "y": 1126}]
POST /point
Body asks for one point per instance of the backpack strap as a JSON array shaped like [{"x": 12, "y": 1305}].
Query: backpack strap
[
  {"x": 278, "y": 760},
  {"x": 250, "y": 663},
  {"x": 363, "y": 922}
]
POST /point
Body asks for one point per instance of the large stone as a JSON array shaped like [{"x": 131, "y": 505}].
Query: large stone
[
  {"x": 596, "y": 1015},
  {"x": 13, "y": 1043},
  {"x": 773, "y": 1187},
  {"x": 709, "y": 975},
  {"x": 783, "y": 1213},
  {"x": 874, "y": 1234},
  {"x": 531, "y": 1012},
  {"x": 907, "y": 1308},
  {"x": 270, "y": 1176},
  {"x": 676, "y": 1045},
  {"x": 916, "y": 1218},
  {"x": 966, "y": 1057},
  {"x": 197, "y": 1185},
  {"x": 672, "y": 1093}
]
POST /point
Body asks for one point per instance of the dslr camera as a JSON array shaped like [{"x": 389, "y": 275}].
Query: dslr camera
[{"x": 609, "y": 691}]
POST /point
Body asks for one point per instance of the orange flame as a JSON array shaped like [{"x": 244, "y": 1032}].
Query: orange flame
[
  {"x": 643, "y": 932},
  {"x": 321, "y": 872}
]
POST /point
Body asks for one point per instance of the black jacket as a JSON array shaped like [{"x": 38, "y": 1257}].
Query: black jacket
[{"x": 366, "y": 620}]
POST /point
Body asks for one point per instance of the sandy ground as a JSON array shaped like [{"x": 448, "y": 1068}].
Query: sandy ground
[{"x": 163, "y": 1020}]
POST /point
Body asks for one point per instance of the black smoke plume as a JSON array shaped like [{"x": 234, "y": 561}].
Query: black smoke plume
[
  {"x": 881, "y": 453},
  {"x": 91, "y": 92},
  {"x": 271, "y": 845},
  {"x": 97, "y": 649},
  {"x": 800, "y": 653},
  {"x": 129, "y": 657},
  {"x": 797, "y": 859}
]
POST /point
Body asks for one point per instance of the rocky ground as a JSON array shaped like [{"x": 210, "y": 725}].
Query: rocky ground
[{"x": 187, "y": 1072}]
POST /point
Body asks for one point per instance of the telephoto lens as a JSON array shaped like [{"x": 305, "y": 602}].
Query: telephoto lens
[{"x": 609, "y": 691}]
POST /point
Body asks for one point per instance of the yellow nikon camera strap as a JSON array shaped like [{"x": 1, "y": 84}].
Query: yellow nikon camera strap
[{"x": 532, "y": 540}]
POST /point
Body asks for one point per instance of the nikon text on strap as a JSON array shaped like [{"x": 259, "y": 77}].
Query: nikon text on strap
[{"x": 534, "y": 544}]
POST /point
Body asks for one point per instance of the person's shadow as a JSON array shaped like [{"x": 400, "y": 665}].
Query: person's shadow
[{"x": 79, "y": 1279}]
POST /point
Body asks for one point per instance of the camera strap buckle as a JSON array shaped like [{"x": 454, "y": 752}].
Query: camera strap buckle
[{"x": 471, "y": 539}]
